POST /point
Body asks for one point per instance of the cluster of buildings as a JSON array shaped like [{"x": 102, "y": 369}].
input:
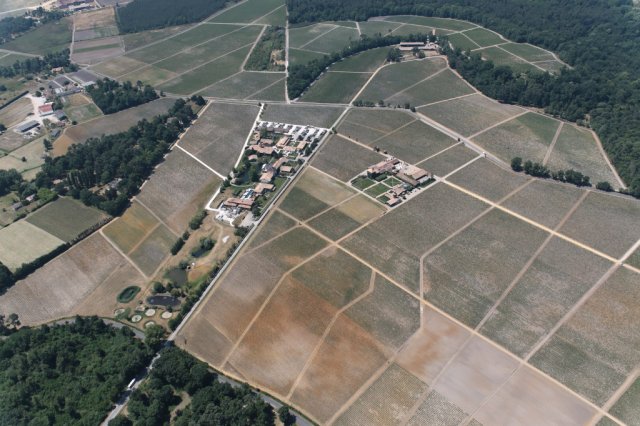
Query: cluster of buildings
[
  {"x": 75, "y": 5},
  {"x": 411, "y": 178},
  {"x": 284, "y": 139},
  {"x": 408, "y": 46}
]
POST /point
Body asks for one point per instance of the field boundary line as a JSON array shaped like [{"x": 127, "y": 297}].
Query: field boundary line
[
  {"x": 321, "y": 35},
  {"x": 351, "y": 72},
  {"x": 139, "y": 201},
  {"x": 446, "y": 67},
  {"x": 606, "y": 159},
  {"x": 553, "y": 144},
  {"x": 255, "y": 21},
  {"x": 454, "y": 171},
  {"x": 309, "y": 50},
  {"x": 520, "y": 57},
  {"x": 364, "y": 126},
  {"x": 487, "y": 47},
  {"x": 248, "y": 98},
  {"x": 357, "y": 143},
  {"x": 499, "y": 123},
  {"x": 358, "y": 28},
  {"x": 397, "y": 129},
  {"x": 255, "y": 43},
  {"x": 445, "y": 100},
  {"x": 123, "y": 254},
  {"x": 144, "y": 238},
  {"x": 586, "y": 296},
  {"x": 438, "y": 153},
  {"x": 199, "y": 161},
  {"x": 462, "y": 33},
  {"x": 214, "y": 83},
  {"x": 398, "y": 27},
  {"x": 327, "y": 330}
]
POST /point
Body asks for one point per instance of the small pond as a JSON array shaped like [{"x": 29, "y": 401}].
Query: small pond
[
  {"x": 162, "y": 301},
  {"x": 178, "y": 276}
]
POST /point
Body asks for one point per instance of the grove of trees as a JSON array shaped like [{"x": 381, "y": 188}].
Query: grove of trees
[
  {"x": 38, "y": 65},
  {"x": 111, "y": 96}
]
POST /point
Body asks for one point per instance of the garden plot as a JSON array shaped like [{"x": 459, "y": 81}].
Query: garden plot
[
  {"x": 218, "y": 136},
  {"x": 528, "y": 398},
  {"x": 109, "y": 124},
  {"x": 275, "y": 225},
  {"x": 459, "y": 279},
  {"x": 414, "y": 142},
  {"x": 335, "y": 87},
  {"x": 313, "y": 193},
  {"x": 243, "y": 85},
  {"x": 317, "y": 116},
  {"x": 449, "y": 160},
  {"x": 22, "y": 242},
  {"x": 367, "y": 61},
  {"x": 395, "y": 243},
  {"x": 248, "y": 11},
  {"x": 627, "y": 408},
  {"x": 343, "y": 159},
  {"x": 544, "y": 201},
  {"x": 347, "y": 217},
  {"x": 528, "y": 137},
  {"x": 395, "y": 78},
  {"x": 66, "y": 218},
  {"x": 54, "y": 290},
  {"x": 501, "y": 57},
  {"x": 596, "y": 349},
  {"x": 555, "y": 281},
  {"x": 345, "y": 360},
  {"x": 605, "y": 222},
  {"x": 470, "y": 114},
  {"x": 445, "y": 85},
  {"x": 488, "y": 180},
  {"x": 389, "y": 314},
  {"x": 387, "y": 401},
  {"x": 437, "y": 410},
  {"x": 275, "y": 349},
  {"x": 178, "y": 189},
  {"x": 443, "y": 23},
  {"x": 483, "y": 37},
  {"x": 577, "y": 149}
]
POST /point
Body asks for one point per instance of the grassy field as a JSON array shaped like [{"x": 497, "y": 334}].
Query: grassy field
[
  {"x": 470, "y": 114},
  {"x": 528, "y": 52},
  {"x": 501, "y": 57},
  {"x": 483, "y": 37},
  {"x": 556, "y": 280},
  {"x": 129, "y": 230},
  {"x": 488, "y": 180},
  {"x": 335, "y": 87},
  {"x": 371, "y": 28},
  {"x": 445, "y": 85},
  {"x": 247, "y": 85},
  {"x": 463, "y": 42},
  {"x": 436, "y": 409},
  {"x": 343, "y": 159},
  {"x": 83, "y": 113},
  {"x": 249, "y": 11},
  {"x": 300, "y": 36},
  {"x": 577, "y": 149},
  {"x": 151, "y": 252},
  {"x": 217, "y": 138},
  {"x": 109, "y": 124},
  {"x": 50, "y": 37},
  {"x": 444, "y": 23},
  {"x": 367, "y": 61},
  {"x": 528, "y": 136},
  {"x": 27, "y": 157},
  {"x": 21, "y": 242},
  {"x": 366, "y": 125},
  {"x": 302, "y": 114},
  {"x": 332, "y": 41},
  {"x": 65, "y": 218}
]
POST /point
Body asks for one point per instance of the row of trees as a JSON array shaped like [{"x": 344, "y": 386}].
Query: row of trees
[
  {"x": 301, "y": 76},
  {"x": 124, "y": 160},
  {"x": 600, "y": 41},
  {"x": 540, "y": 170},
  {"x": 38, "y": 65},
  {"x": 141, "y": 15},
  {"x": 212, "y": 402},
  {"x": 67, "y": 374},
  {"x": 111, "y": 96}
]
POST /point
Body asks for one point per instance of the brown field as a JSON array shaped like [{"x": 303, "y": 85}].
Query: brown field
[
  {"x": 57, "y": 289},
  {"x": 437, "y": 410},
  {"x": 347, "y": 217},
  {"x": 219, "y": 134},
  {"x": 275, "y": 225},
  {"x": 343, "y": 159},
  {"x": 131, "y": 228},
  {"x": 95, "y": 19},
  {"x": 415, "y": 142},
  {"x": 366, "y": 125},
  {"x": 21, "y": 242},
  {"x": 396, "y": 241},
  {"x": 15, "y": 113},
  {"x": 605, "y": 222},
  {"x": 109, "y": 124},
  {"x": 151, "y": 252},
  {"x": 596, "y": 349},
  {"x": 488, "y": 180},
  {"x": 459, "y": 279},
  {"x": 386, "y": 401},
  {"x": 347, "y": 358},
  {"x": 555, "y": 281},
  {"x": 545, "y": 202},
  {"x": 189, "y": 184},
  {"x": 446, "y": 162}
]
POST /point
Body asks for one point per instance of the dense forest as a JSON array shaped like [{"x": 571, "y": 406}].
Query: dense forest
[
  {"x": 117, "y": 163},
  {"x": 111, "y": 96},
  {"x": 141, "y": 15},
  {"x": 268, "y": 52},
  {"x": 212, "y": 402},
  {"x": 66, "y": 374},
  {"x": 38, "y": 65},
  {"x": 600, "y": 39}
]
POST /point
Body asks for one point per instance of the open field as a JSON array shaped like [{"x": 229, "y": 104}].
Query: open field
[
  {"x": 50, "y": 37},
  {"x": 501, "y": 57},
  {"x": 96, "y": 50},
  {"x": 248, "y": 11},
  {"x": 333, "y": 40},
  {"x": 605, "y": 222},
  {"x": 436, "y": 409},
  {"x": 247, "y": 85},
  {"x": 189, "y": 184},
  {"x": 627, "y": 408},
  {"x": 335, "y": 87},
  {"x": 15, "y": 113},
  {"x": 595, "y": 350},
  {"x": 463, "y": 42},
  {"x": 217, "y": 138},
  {"x": 488, "y": 180},
  {"x": 21, "y": 242},
  {"x": 444, "y": 23},
  {"x": 275, "y": 225},
  {"x": 470, "y": 114},
  {"x": 83, "y": 113},
  {"x": 343, "y": 159},
  {"x": 414, "y": 142},
  {"x": 528, "y": 52},
  {"x": 9, "y": 5},
  {"x": 8, "y": 59},
  {"x": 371, "y": 28},
  {"x": 483, "y": 37},
  {"x": 555, "y": 281},
  {"x": 528, "y": 137},
  {"x": 301, "y": 36},
  {"x": 301, "y": 57},
  {"x": 449, "y": 160},
  {"x": 32, "y": 153},
  {"x": 577, "y": 149},
  {"x": 129, "y": 230},
  {"x": 55, "y": 290},
  {"x": 459, "y": 280},
  {"x": 347, "y": 217},
  {"x": 109, "y": 124},
  {"x": 66, "y": 218},
  {"x": 366, "y": 125},
  {"x": 367, "y": 61},
  {"x": 153, "y": 250},
  {"x": 445, "y": 85},
  {"x": 275, "y": 92},
  {"x": 302, "y": 114}
]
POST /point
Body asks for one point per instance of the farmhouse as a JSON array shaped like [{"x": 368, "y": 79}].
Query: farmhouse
[
  {"x": 408, "y": 46},
  {"x": 261, "y": 188},
  {"x": 263, "y": 150},
  {"x": 385, "y": 166},
  {"x": 239, "y": 203},
  {"x": 45, "y": 110},
  {"x": 287, "y": 170},
  {"x": 413, "y": 175}
]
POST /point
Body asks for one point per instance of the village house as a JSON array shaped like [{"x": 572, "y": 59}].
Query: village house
[
  {"x": 267, "y": 176},
  {"x": 262, "y": 188},
  {"x": 239, "y": 203},
  {"x": 287, "y": 170},
  {"x": 45, "y": 110}
]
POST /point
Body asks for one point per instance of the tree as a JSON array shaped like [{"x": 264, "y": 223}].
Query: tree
[
  {"x": 604, "y": 186},
  {"x": 516, "y": 164},
  {"x": 153, "y": 336},
  {"x": 2, "y": 127},
  {"x": 285, "y": 416}
]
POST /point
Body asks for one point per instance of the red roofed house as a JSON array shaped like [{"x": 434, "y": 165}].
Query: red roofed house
[{"x": 46, "y": 109}]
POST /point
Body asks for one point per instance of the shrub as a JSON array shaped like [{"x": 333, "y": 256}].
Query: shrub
[{"x": 128, "y": 294}]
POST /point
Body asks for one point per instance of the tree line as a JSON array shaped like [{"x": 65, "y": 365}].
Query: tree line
[
  {"x": 212, "y": 402},
  {"x": 141, "y": 15},
  {"x": 37, "y": 65},
  {"x": 601, "y": 41},
  {"x": 67, "y": 374},
  {"x": 111, "y": 96}
]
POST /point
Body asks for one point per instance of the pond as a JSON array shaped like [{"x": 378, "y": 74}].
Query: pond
[
  {"x": 162, "y": 301},
  {"x": 178, "y": 276}
]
